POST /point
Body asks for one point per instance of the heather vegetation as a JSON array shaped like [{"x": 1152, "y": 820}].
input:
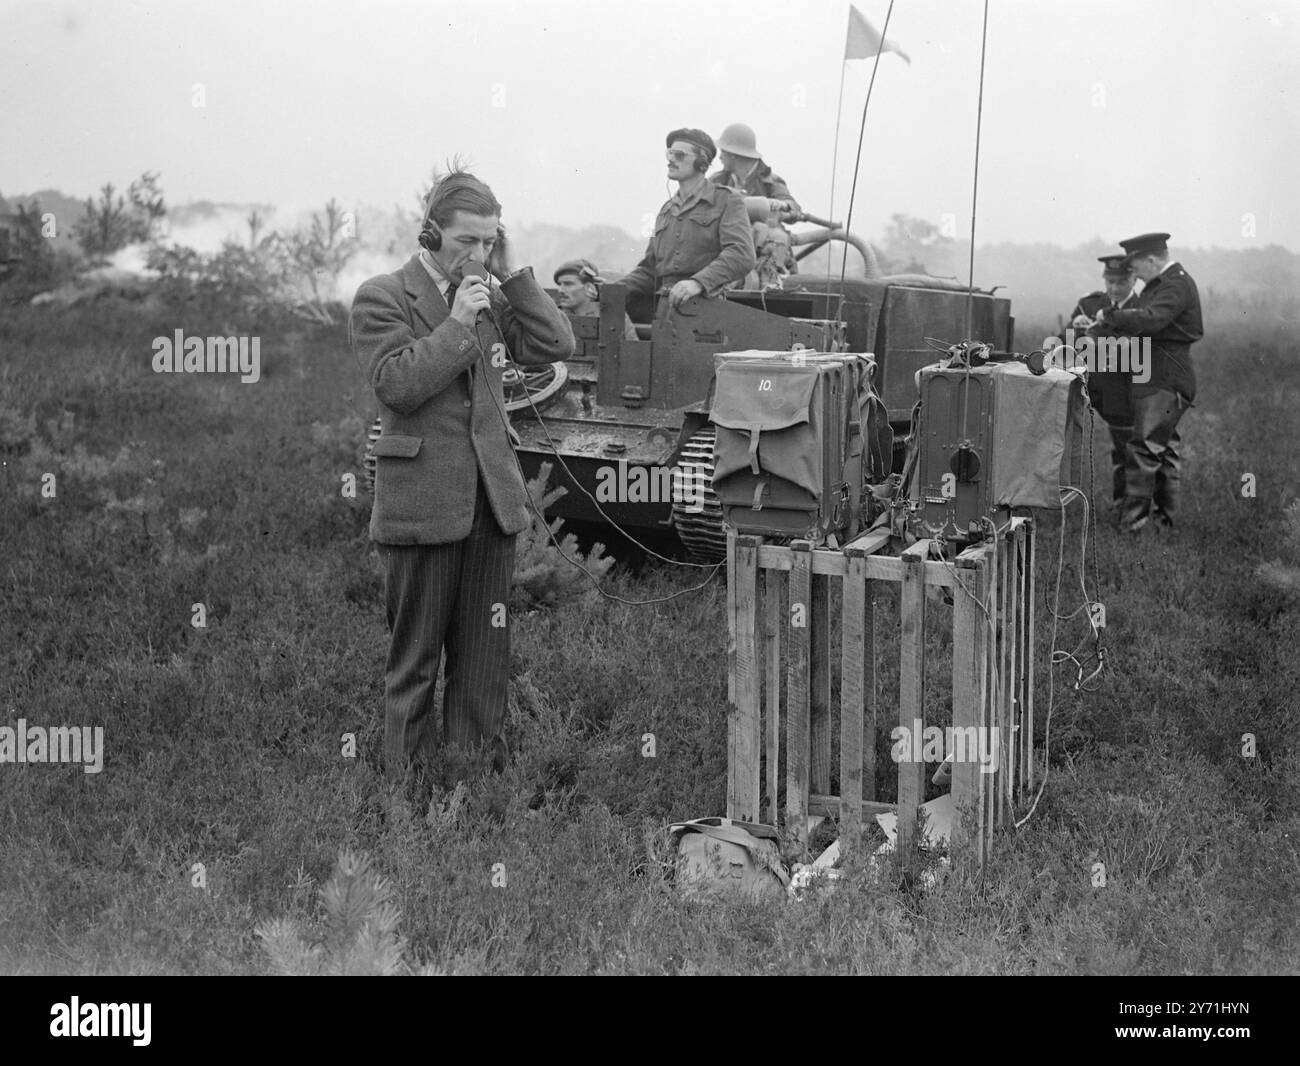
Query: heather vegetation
[{"x": 234, "y": 830}]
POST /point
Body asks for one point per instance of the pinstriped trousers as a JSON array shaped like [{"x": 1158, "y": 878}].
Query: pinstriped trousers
[{"x": 448, "y": 596}]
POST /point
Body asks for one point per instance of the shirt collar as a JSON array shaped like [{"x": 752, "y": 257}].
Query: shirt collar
[
  {"x": 702, "y": 191},
  {"x": 439, "y": 278}
]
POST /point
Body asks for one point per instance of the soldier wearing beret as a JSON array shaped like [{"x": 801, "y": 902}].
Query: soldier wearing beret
[
  {"x": 578, "y": 281},
  {"x": 701, "y": 241},
  {"x": 1109, "y": 390},
  {"x": 1169, "y": 313}
]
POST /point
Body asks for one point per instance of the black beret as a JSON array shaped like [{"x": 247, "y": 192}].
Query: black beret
[
  {"x": 696, "y": 137},
  {"x": 583, "y": 268}
]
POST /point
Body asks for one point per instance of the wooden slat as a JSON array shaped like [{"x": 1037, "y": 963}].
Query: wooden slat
[
  {"x": 833, "y": 807},
  {"x": 911, "y": 684},
  {"x": 731, "y": 615},
  {"x": 819, "y": 779},
  {"x": 879, "y": 567},
  {"x": 867, "y": 543},
  {"x": 1031, "y": 607},
  {"x": 773, "y": 581},
  {"x": 969, "y": 656},
  {"x": 1017, "y": 657},
  {"x": 797, "y": 694},
  {"x": 743, "y": 720},
  {"x": 1007, "y": 622},
  {"x": 852, "y": 697},
  {"x": 1023, "y": 650},
  {"x": 871, "y": 691}
]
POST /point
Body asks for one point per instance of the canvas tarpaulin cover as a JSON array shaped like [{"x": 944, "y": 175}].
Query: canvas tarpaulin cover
[{"x": 1036, "y": 421}]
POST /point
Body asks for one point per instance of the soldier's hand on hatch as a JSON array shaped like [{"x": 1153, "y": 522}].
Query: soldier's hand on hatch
[{"x": 683, "y": 291}]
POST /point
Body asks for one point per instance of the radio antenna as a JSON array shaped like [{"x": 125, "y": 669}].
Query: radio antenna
[
  {"x": 974, "y": 201},
  {"x": 975, "y": 179}
]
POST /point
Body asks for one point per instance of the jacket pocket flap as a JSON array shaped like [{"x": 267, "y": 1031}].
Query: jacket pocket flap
[{"x": 398, "y": 445}]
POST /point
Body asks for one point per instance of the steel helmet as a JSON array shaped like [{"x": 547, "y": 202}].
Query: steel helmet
[{"x": 739, "y": 139}]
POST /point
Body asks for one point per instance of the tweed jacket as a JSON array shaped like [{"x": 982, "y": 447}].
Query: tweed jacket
[{"x": 441, "y": 405}]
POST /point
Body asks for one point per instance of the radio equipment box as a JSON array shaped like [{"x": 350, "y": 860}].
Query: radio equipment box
[
  {"x": 989, "y": 438},
  {"x": 799, "y": 435}
]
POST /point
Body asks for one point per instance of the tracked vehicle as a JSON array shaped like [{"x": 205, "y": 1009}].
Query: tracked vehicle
[{"x": 624, "y": 412}]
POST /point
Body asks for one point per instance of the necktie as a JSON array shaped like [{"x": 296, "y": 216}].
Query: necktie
[{"x": 451, "y": 295}]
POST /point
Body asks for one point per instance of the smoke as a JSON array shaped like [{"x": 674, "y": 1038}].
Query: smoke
[
  {"x": 363, "y": 266},
  {"x": 207, "y": 227}
]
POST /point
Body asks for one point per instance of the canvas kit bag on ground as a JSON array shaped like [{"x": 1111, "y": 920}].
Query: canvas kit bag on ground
[
  {"x": 799, "y": 437},
  {"x": 719, "y": 857}
]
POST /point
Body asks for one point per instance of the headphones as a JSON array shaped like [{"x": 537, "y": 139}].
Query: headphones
[{"x": 430, "y": 235}]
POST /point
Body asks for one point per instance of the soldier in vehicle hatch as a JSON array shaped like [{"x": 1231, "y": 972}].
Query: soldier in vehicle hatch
[
  {"x": 701, "y": 241},
  {"x": 579, "y": 283}
]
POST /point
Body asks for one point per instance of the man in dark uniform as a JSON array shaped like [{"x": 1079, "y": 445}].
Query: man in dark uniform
[
  {"x": 1169, "y": 313},
  {"x": 1108, "y": 389},
  {"x": 701, "y": 241}
]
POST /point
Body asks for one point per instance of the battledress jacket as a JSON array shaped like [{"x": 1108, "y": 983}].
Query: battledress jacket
[
  {"x": 1169, "y": 312},
  {"x": 761, "y": 182},
  {"x": 441, "y": 403},
  {"x": 706, "y": 238}
]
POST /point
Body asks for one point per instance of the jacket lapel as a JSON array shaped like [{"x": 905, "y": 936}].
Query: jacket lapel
[{"x": 430, "y": 307}]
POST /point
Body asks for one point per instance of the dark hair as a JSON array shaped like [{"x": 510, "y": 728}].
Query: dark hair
[{"x": 459, "y": 190}]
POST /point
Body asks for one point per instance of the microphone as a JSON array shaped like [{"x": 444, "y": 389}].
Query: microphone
[{"x": 475, "y": 269}]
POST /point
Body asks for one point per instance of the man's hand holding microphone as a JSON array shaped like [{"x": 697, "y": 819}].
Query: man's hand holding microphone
[{"x": 473, "y": 296}]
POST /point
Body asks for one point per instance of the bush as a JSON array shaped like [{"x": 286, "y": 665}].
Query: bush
[
  {"x": 358, "y": 937},
  {"x": 543, "y": 574}
]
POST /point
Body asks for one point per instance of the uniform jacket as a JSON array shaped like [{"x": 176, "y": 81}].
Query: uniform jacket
[
  {"x": 1169, "y": 312},
  {"x": 1092, "y": 303},
  {"x": 1110, "y": 391},
  {"x": 761, "y": 182},
  {"x": 707, "y": 238},
  {"x": 441, "y": 404}
]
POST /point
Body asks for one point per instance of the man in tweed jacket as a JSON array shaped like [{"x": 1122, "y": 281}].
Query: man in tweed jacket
[{"x": 449, "y": 498}]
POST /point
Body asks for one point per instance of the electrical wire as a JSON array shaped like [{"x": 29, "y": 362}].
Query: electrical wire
[{"x": 505, "y": 421}]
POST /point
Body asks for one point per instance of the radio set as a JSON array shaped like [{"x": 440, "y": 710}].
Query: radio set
[
  {"x": 804, "y": 447},
  {"x": 989, "y": 438},
  {"x": 801, "y": 438}
]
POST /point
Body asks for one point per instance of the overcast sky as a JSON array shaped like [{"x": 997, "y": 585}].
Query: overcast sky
[{"x": 1100, "y": 119}]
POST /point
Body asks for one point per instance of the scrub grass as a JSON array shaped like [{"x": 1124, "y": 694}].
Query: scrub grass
[{"x": 227, "y": 796}]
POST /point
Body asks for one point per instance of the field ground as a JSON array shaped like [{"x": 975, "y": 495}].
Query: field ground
[{"x": 223, "y": 744}]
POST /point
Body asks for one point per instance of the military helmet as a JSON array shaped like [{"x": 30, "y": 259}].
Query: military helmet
[{"x": 739, "y": 139}]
